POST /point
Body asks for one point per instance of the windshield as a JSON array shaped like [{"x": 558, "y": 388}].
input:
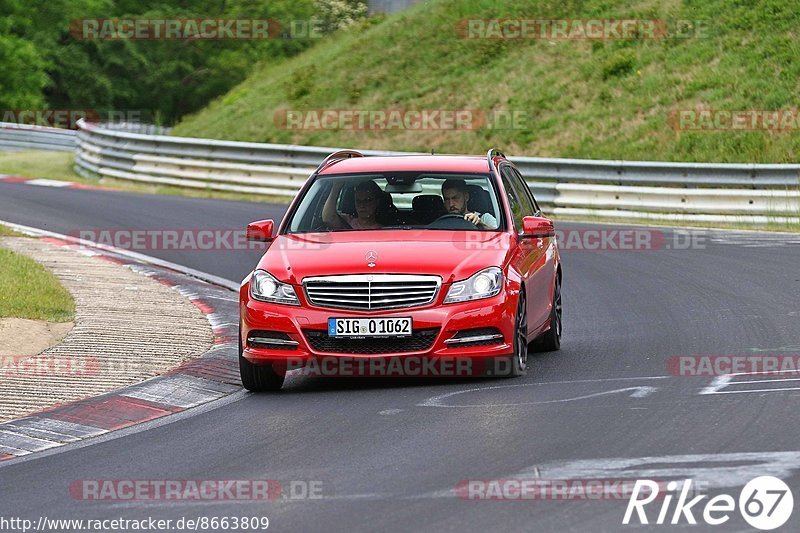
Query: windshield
[{"x": 408, "y": 200}]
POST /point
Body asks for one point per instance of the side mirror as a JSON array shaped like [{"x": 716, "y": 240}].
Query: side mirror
[
  {"x": 260, "y": 231},
  {"x": 537, "y": 228}
]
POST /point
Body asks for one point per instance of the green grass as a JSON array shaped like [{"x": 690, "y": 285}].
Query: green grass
[
  {"x": 38, "y": 164},
  {"x": 584, "y": 99},
  {"x": 5, "y": 231},
  {"x": 28, "y": 290}
]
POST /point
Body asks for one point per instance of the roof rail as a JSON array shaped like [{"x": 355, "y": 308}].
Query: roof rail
[
  {"x": 336, "y": 156},
  {"x": 492, "y": 153}
]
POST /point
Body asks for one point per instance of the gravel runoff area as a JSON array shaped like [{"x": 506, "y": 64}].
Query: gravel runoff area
[{"x": 127, "y": 328}]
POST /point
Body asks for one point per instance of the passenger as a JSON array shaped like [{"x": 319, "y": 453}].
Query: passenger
[
  {"x": 455, "y": 194},
  {"x": 368, "y": 194}
]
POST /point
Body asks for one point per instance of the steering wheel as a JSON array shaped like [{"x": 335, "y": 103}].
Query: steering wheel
[
  {"x": 452, "y": 216},
  {"x": 320, "y": 227},
  {"x": 452, "y": 221}
]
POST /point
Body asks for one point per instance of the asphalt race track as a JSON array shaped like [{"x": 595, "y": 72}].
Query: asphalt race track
[{"x": 390, "y": 453}]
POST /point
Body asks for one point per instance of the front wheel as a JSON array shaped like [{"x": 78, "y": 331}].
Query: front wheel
[
  {"x": 518, "y": 362},
  {"x": 551, "y": 340},
  {"x": 258, "y": 378}
]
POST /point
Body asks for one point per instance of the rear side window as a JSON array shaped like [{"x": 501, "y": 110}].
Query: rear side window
[
  {"x": 525, "y": 191},
  {"x": 522, "y": 192},
  {"x": 514, "y": 198}
]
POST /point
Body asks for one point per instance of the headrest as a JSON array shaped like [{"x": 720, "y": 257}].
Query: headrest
[
  {"x": 479, "y": 200},
  {"x": 428, "y": 203}
]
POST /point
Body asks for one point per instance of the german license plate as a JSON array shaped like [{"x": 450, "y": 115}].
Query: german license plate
[{"x": 369, "y": 327}]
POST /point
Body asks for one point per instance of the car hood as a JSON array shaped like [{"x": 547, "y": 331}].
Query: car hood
[{"x": 453, "y": 255}]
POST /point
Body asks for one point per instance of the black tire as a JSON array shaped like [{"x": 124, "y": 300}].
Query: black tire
[
  {"x": 550, "y": 341},
  {"x": 518, "y": 362},
  {"x": 258, "y": 378}
]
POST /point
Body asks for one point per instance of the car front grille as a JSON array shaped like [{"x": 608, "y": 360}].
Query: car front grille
[
  {"x": 365, "y": 292},
  {"x": 420, "y": 340}
]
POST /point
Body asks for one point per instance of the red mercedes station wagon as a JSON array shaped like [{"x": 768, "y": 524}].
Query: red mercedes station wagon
[{"x": 403, "y": 258}]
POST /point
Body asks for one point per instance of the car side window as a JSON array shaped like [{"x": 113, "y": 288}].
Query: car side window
[
  {"x": 522, "y": 191},
  {"x": 514, "y": 200},
  {"x": 525, "y": 192}
]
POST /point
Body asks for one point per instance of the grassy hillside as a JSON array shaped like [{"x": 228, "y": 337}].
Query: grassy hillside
[{"x": 585, "y": 99}]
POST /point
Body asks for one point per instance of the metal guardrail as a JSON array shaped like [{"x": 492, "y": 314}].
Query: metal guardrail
[
  {"x": 136, "y": 127},
  {"x": 623, "y": 189},
  {"x": 745, "y": 175},
  {"x": 186, "y": 162},
  {"x": 14, "y": 137}
]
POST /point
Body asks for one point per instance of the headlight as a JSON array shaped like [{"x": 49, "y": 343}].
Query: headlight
[
  {"x": 264, "y": 287},
  {"x": 484, "y": 284}
]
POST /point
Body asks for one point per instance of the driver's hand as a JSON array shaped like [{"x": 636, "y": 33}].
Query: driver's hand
[{"x": 473, "y": 217}]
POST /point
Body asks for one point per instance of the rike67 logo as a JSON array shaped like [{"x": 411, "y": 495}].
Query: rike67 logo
[{"x": 765, "y": 503}]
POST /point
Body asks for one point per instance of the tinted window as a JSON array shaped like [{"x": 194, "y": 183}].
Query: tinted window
[
  {"x": 522, "y": 192},
  {"x": 527, "y": 190},
  {"x": 517, "y": 208}
]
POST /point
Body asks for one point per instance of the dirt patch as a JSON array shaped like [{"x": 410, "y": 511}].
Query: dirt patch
[
  {"x": 128, "y": 328},
  {"x": 21, "y": 338}
]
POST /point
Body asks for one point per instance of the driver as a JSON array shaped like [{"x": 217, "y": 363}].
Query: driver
[{"x": 456, "y": 195}]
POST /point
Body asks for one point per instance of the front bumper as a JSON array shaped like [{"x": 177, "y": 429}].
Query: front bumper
[{"x": 296, "y": 322}]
